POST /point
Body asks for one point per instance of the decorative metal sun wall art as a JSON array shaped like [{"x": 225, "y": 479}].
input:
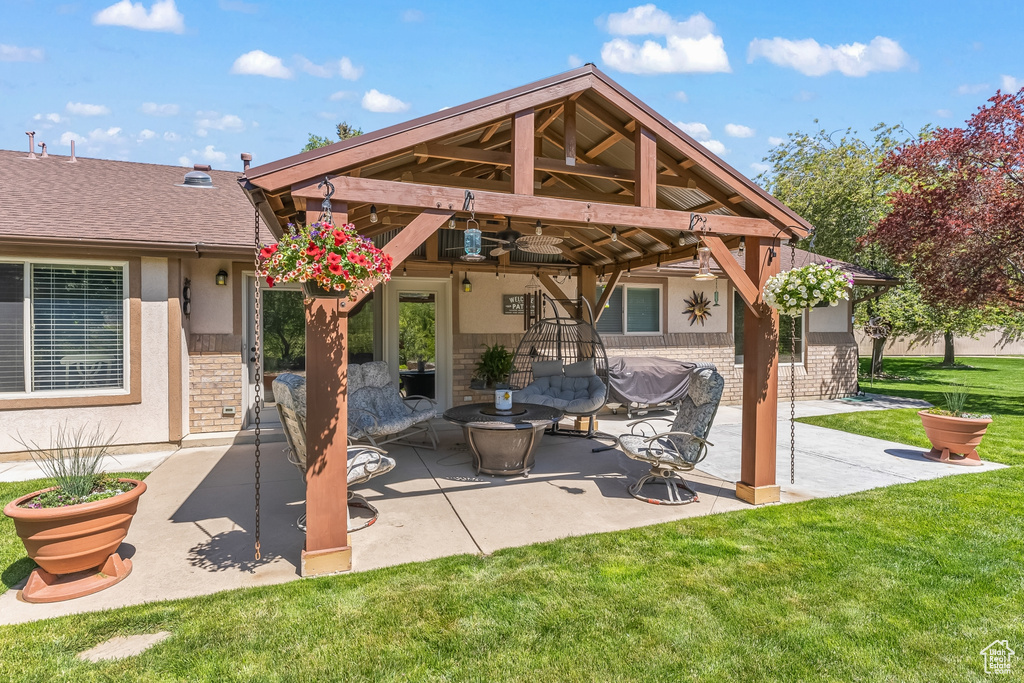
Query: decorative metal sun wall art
[{"x": 698, "y": 307}]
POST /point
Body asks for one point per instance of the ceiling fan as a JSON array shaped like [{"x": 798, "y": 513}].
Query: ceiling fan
[{"x": 510, "y": 240}]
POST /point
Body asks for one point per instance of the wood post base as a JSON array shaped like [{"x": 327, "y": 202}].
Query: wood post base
[
  {"x": 42, "y": 586},
  {"x": 758, "y": 495},
  {"x": 583, "y": 423},
  {"x": 323, "y": 562}
]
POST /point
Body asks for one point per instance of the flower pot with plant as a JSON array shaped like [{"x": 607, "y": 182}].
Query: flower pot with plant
[
  {"x": 328, "y": 260},
  {"x": 494, "y": 366},
  {"x": 73, "y": 530},
  {"x": 954, "y": 433}
]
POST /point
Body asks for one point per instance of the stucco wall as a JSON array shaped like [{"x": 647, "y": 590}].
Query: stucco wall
[
  {"x": 680, "y": 289},
  {"x": 144, "y": 422},
  {"x": 212, "y": 304},
  {"x": 830, "y": 319}
]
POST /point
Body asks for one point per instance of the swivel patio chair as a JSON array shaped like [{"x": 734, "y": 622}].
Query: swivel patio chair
[
  {"x": 378, "y": 413},
  {"x": 364, "y": 462},
  {"x": 682, "y": 447}
]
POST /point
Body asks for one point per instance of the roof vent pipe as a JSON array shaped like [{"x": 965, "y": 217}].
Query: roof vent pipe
[
  {"x": 44, "y": 155},
  {"x": 31, "y": 144},
  {"x": 72, "y": 159},
  {"x": 201, "y": 167},
  {"x": 246, "y": 158}
]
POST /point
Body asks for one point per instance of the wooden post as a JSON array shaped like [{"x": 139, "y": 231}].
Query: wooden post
[
  {"x": 760, "y": 382},
  {"x": 522, "y": 152},
  {"x": 586, "y": 288},
  {"x": 645, "y": 171},
  {"x": 327, "y": 550},
  {"x": 570, "y": 133}
]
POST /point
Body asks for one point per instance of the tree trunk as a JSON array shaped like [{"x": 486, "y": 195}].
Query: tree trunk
[
  {"x": 949, "y": 357},
  {"x": 877, "y": 348}
]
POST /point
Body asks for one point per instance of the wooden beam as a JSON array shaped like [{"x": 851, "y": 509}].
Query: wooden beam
[
  {"x": 760, "y": 383},
  {"x": 604, "y": 145},
  {"x": 416, "y": 233},
  {"x": 491, "y": 130},
  {"x": 645, "y": 168},
  {"x": 589, "y": 244},
  {"x": 522, "y": 152},
  {"x": 569, "y": 134},
  {"x": 556, "y": 293},
  {"x": 430, "y": 247},
  {"x": 549, "y": 119},
  {"x": 748, "y": 291},
  {"x": 545, "y": 208},
  {"x": 609, "y": 287},
  {"x": 586, "y": 288}
]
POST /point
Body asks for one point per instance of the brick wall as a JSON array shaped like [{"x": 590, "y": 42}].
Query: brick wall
[
  {"x": 215, "y": 381},
  {"x": 829, "y": 371}
]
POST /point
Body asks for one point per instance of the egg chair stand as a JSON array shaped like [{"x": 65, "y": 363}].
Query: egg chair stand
[{"x": 561, "y": 362}]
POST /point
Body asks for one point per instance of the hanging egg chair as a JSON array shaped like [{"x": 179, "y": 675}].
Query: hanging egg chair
[{"x": 561, "y": 362}]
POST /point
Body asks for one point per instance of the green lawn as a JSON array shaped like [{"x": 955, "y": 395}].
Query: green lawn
[
  {"x": 14, "y": 565},
  {"x": 905, "y": 583},
  {"x": 997, "y": 388}
]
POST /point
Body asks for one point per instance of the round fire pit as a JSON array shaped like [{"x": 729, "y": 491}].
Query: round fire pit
[{"x": 503, "y": 443}]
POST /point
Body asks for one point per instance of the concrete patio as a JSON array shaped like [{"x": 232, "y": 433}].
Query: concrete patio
[{"x": 192, "y": 534}]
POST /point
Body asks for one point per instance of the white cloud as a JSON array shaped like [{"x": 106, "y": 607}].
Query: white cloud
[
  {"x": 213, "y": 156},
  {"x": 775, "y": 141},
  {"x": 146, "y": 134},
  {"x": 52, "y": 118},
  {"x": 211, "y": 120},
  {"x": 163, "y": 16},
  {"x": 971, "y": 88},
  {"x": 171, "y": 136},
  {"x": 343, "y": 95},
  {"x": 702, "y": 134},
  {"x": 813, "y": 59},
  {"x": 349, "y": 71},
  {"x": 412, "y": 16},
  {"x": 376, "y": 101},
  {"x": 695, "y": 130},
  {"x": 1011, "y": 84},
  {"x": 185, "y": 161},
  {"x": 759, "y": 167},
  {"x": 13, "y": 53},
  {"x": 944, "y": 113},
  {"x": 259, "y": 63},
  {"x": 82, "y": 109},
  {"x": 154, "y": 109},
  {"x": 682, "y": 96},
  {"x": 68, "y": 136},
  {"x": 101, "y": 135},
  {"x": 715, "y": 147},
  {"x": 313, "y": 69},
  {"x": 735, "y": 130},
  {"x": 691, "y": 46},
  {"x": 574, "y": 61}
]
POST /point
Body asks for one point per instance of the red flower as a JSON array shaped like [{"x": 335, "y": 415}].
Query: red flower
[
  {"x": 333, "y": 258},
  {"x": 339, "y": 238},
  {"x": 314, "y": 251},
  {"x": 270, "y": 282},
  {"x": 335, "y": 268},
  {"x": 357, "y": 259},
  {"x": 267, "y": 252}
]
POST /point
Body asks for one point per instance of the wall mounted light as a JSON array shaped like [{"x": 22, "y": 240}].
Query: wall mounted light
[
  {"x": 186, "y": 298},
  {"x": 467, "y": 286},
  {"x": 222, "y": 277}
]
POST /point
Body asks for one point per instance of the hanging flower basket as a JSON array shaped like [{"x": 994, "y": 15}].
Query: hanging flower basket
[
  {"x": 794, "y": 290},
  {"x": 329, "y": 261}
]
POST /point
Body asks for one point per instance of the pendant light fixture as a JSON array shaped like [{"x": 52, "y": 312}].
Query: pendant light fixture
[
  {"x": 537, "y": 229},
  {"x": 373, "y": 213},
  {"x": 704, "y": 264},
  {"x": 615, "y": 234}
]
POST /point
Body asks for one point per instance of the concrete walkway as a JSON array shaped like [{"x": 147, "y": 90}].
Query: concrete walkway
[{"x": 193, "y": 532}]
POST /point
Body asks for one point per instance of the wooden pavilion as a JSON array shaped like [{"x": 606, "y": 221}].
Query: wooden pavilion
[{"x": 622, "y": 185}]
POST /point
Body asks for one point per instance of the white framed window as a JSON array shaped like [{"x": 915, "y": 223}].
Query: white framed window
[
  {"x": 788, "y": 326},
  {"x": 63, "y": 327},
  {"x": 632, "y": 309}
]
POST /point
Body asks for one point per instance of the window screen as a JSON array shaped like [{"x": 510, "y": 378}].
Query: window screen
[
  {"x": 12, "y": 327},
  {"x": 788, "y": 326},
  {"x": 77, "y": 327},
  {"x": 643, "y": 309},
  {"x": 610, "y": 321}
]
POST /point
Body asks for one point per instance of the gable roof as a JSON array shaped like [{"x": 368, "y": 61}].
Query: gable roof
[
  {"x": 700, "y": 180},
  {"x": 133, "y": 205}
]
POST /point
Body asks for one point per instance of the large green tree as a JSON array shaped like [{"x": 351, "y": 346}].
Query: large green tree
[{"x": 344, "y": 130}]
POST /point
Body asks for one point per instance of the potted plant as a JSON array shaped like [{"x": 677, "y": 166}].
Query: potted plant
[
  {"x": 73, "y": 530},
  {"x": 494, "y": 366},
  {"x": 329, "y": 261},
  {"x": 954, "y": 433}
]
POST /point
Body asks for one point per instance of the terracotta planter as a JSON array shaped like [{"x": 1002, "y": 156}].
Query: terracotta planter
[
  {"x": 954, "y": 440},
  {"x": 75, "y": 546}
]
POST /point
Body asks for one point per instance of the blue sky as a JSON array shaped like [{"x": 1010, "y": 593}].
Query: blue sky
[{"x": 199, "y": 81}]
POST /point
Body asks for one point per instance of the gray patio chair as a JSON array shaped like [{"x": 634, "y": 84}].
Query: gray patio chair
[
  {"x": 681, "y": 448},
  {"x": 364, "y": 462},
  {"x": 378, "y": 413}
]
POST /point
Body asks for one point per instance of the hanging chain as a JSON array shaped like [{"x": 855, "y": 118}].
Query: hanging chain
[
  {"x": 326, "y": 211},
  {"x": 792, "y": 381},
  {"x": 258, "y": 390}
]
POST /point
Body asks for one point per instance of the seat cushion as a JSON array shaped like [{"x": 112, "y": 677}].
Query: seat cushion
[
  {"x": 546, "y": 368},
  {"x": 583, "y": 368},
  {"x": 660, "y": 452},
  {"x": 364, "y": 464},
  {"x": 574, "y": 395}
]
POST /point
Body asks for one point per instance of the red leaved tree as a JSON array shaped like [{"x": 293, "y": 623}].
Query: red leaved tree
[{"x": 958, "y": 222}]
